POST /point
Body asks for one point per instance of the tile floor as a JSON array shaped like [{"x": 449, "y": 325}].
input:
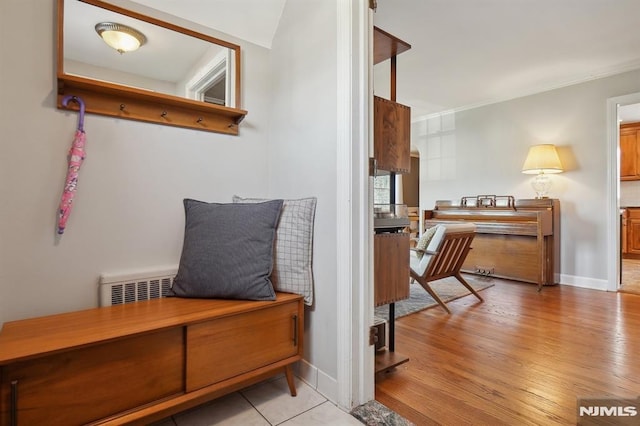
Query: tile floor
[{"x": 266, "y": 404}]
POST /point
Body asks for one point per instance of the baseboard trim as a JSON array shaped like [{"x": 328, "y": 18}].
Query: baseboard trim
[
  {"x": 318, "y": 380},
  {"x": 584, "y": 282}
]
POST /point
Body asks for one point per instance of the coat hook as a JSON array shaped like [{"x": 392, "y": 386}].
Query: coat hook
[
  {"x": 122, "y": 107},
  {"x": 80, "y": 102},
  {"x": 164, "y": 113}
]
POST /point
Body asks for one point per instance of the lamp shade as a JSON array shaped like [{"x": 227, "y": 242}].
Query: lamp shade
[{"x": 542, "y": 159}]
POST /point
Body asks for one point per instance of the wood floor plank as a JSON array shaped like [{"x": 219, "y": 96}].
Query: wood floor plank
[{"x": 521, "y": 357}]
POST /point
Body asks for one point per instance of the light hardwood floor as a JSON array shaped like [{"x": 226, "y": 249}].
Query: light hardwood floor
[{"x": 521, "y": 357}]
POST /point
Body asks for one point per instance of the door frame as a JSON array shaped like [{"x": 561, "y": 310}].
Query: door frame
[
  {"x": 354, "y": 221},
  {"x": 613, "y": 188}
]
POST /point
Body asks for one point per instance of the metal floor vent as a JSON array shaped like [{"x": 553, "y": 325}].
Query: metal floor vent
[{"x": 116, "y": 289}]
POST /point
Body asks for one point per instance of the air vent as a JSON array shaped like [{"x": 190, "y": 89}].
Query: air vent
[{"x": 116, "y": 289}]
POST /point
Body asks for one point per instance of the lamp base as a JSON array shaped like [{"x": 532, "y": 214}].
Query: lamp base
[{"x": 541, "y": 184}]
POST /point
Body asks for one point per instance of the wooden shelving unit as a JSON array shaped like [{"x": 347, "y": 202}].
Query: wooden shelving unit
[{"x": 392, "y": 123}]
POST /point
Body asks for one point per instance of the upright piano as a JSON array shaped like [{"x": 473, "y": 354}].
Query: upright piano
[{"x": 515, "y": 239}]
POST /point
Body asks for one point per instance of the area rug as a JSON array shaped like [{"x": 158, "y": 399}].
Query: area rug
[
  {"x": 373, "y": 413},
  {"x": 447, "y": 288}
]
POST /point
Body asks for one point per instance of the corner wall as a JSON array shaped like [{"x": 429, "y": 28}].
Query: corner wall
[{"x": 303, "y": 160}]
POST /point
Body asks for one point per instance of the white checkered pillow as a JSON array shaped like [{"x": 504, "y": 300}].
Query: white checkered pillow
[{"x": 292, "y": 266}]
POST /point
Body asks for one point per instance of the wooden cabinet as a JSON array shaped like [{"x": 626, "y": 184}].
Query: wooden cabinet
[
  {"x": 140, "y": 362},
  {"x": 391, "y": 267},
  {"x": 633, "y": 232},
  {"x": 624, "y": 231},
  {"x": 392, "y": 121},
  {"x": 392, "y": 136},
  {"x": 391, "y": 284},
  {"x": 630, "y": 151},
  {"x": 632, "y": 227}
]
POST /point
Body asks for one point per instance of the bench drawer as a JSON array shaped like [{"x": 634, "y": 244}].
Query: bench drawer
[
  {"x": 227, "y": 347},
  {"x": 87, "y": 384}
]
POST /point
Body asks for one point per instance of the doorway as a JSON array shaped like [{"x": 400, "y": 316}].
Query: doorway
[
  {"x": 617, "y": 272},
  {"x": 629, "y": 197}
]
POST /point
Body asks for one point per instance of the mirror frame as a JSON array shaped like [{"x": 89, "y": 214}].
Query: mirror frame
[{"x": 130, "y": 103}]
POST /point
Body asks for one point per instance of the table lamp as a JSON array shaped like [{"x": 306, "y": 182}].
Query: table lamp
[{"x": 541, "y": 161}]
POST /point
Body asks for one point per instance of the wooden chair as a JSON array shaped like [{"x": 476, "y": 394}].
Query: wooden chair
[{"x": 443, "y": 258}]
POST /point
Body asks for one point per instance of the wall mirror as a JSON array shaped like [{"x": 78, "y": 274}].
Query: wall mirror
[{"x": 177, "y": 76}]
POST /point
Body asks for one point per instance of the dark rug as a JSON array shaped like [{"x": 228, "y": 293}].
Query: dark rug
[
  {"x": 447, "y": 288},
  {"x": 373, "y": 413}
]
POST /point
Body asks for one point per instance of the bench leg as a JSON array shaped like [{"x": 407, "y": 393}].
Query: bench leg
[{"x": 288, "y": 372}]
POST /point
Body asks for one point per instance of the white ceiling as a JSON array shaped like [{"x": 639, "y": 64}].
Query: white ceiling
[
  {"x": 252, "y": 20},
  {"x": 467, "y": 52},
  {"x": 473, "y": 52}
]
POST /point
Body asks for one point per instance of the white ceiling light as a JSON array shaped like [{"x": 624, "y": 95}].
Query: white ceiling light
[{"x": 120, "y": 37}]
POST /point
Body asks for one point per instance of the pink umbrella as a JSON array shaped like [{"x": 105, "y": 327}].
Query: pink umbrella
[{"x": 76, "y": 156}]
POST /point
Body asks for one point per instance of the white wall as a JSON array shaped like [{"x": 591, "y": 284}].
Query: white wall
[
  {"x": 128, "y": 210},
  {"x": 302, "y": 158},
  {"x": 481, "y": 151}
]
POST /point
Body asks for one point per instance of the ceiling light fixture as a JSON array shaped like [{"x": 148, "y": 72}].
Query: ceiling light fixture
[{"x": 120, "y": 37}]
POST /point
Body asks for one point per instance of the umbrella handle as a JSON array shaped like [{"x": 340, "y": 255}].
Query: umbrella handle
[{"x": 65, "y": 102}]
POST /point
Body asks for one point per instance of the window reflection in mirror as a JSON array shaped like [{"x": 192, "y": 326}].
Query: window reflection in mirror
[{"x": 169, "y": 62}]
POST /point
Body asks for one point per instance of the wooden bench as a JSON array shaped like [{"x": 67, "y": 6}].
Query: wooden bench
[{"x": 140, "y": 362}]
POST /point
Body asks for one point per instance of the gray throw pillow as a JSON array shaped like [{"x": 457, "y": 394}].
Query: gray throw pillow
[
  {"x": 227, "y": 251},
  {"x": 292, "y": 268}
]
